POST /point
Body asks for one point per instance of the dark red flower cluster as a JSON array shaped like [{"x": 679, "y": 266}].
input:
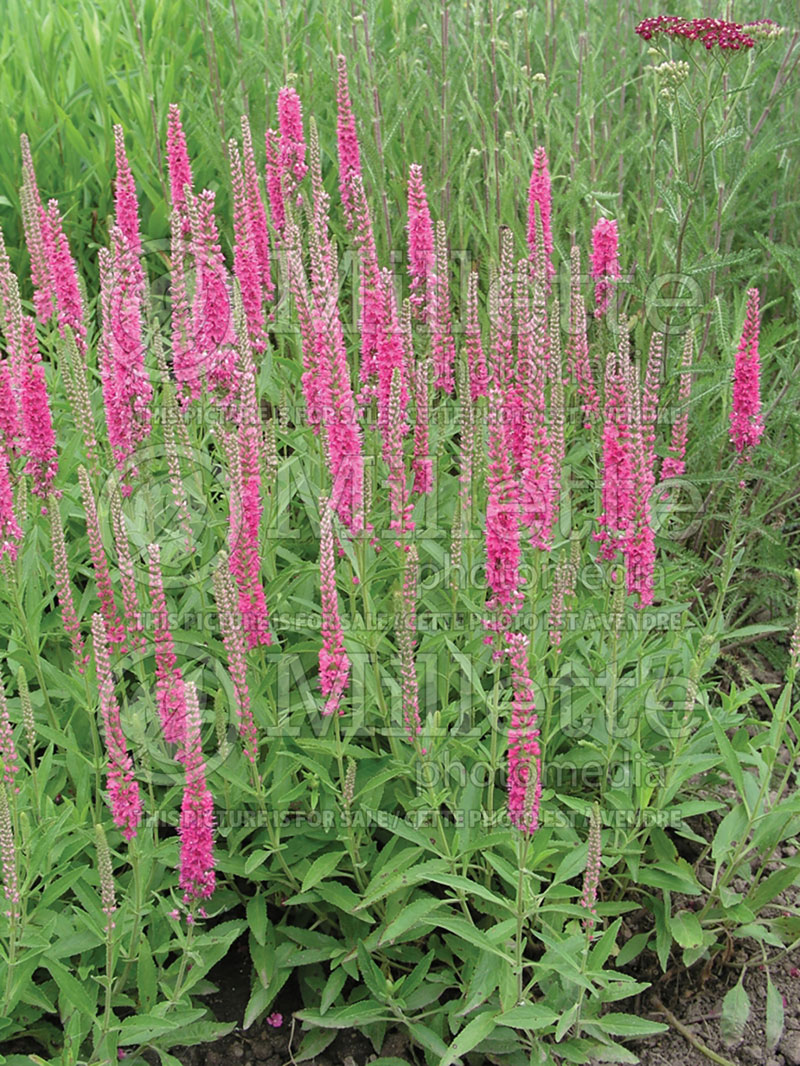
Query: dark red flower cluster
[{"x": 709, "y": 31}]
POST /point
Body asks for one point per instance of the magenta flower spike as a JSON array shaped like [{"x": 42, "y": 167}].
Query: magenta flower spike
[
  {"x": 180, "y": 170},
  {"x": 197, "y": 874},
  {"x": 747, "y": 425},
  {"x": 257, "y": 216},
  {"x": 245, "y": 254},
  {"x": 349, "y": 154},
  {"x": 540, "y": 198},
  {"x": 421, "y": 251},
  {"x": 127, "y": 206},
  {"x": 605, "y": 265},
  {"x": 292, "y": 152},
  {"x": 65, "y": 277},
  {"x": 274, "y": 186},
  {"x": 38, "y": 438}
]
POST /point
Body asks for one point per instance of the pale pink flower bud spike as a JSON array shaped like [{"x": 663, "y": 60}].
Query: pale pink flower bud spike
[
  {"x": 69, "y": 618},
  {"x": 10, "y": 531},
  {"x": 8, "y": 750},
  {"x": 591, "y": 879},
  {"x": 235, "y": 650},
  {"x": 34, "y": 220},
  {"x": 169, "y": 679},
  {"x": 115, "y": 631},
  {"x": 334, "y": 665},
  {"x": 443, "y": 350},
  {"x": 674, "y": 463},
  {"x": 8, "y": 859},
  {"x": 524, "y": 753},
  {"x": 123, "y": 789},
  {"x": 578, "y": 347},
  {"x": 476, "y": 360}
]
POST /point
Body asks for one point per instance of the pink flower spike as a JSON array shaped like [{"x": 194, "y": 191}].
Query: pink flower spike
[
  {"x": 349, "y": 155},
  {"x": 65, "y": 277},
  {"x": 235, "y": 650},
  {"x": 540, "y": 197},
  {"x": 274, "y": 186},
  {"x": 421, "y": 258},
  {"x": 127, "y": 206},
  {"x": 605, "y": 265},
  {"x": 197, "y": 876},
  {"x": 257, "y": 217},
  {"x": 245, "y": 255},
  {"x": 39, "y": 442},
  {"x": 747, "y": 425},
  {"x": 180, "y": 171},
  {"x": 334, "y": 665},
  {"x": 123, "y": 789},
  {"x": 292, "y": 154}
]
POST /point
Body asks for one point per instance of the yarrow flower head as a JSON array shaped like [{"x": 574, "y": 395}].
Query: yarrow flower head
[{"x": 728, "y": 35}]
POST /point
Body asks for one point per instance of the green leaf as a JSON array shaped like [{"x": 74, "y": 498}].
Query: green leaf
[
  {"x": 144, "y": 1028},
  {"x": 528, "y": 1016},
  {"x": 469, "y": 1037},
  {"x": 146, "y": 976},
  {"x": 314, "y": 1043},
  {"x": 320, "y": 868},
  {"x": 260, "y": 999},
  {"x": 774, "y": 1014},
  {"x": 333, "y": 986},
  {"x": 414, "y": 914},
  {"x": 628, "y": 1025},
  {"x": 354, "y": 1015},
  {"x": 735, "y": 1012},
  {"x": 686, "y": 929},
  {"x": 72, "y": 993},
  {"x": 257, "y": 918}
]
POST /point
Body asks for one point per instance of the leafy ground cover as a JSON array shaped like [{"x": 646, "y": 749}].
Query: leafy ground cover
[{"x": 399, "y": 504}]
